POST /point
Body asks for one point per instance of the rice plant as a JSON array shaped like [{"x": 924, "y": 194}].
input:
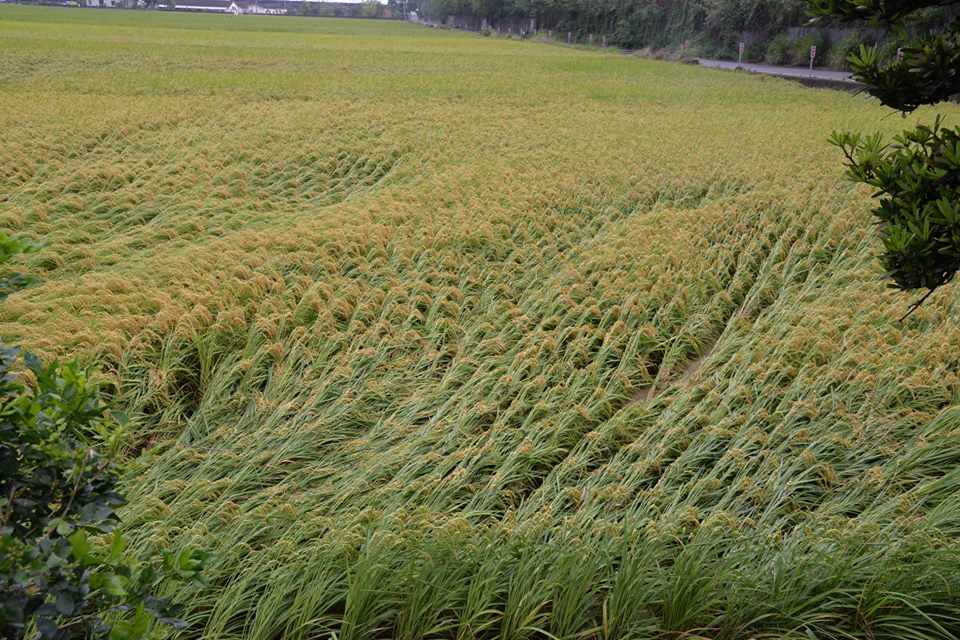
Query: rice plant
[{"x": 428, "y": 335}]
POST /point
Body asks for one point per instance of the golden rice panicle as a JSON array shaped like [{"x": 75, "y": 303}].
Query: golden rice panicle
[{"x": 434, "y": 335}]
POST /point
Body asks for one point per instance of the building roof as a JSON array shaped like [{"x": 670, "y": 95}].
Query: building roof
[
  {"x": 264, "y": 4},
  {"x": 202, "y": 4}
]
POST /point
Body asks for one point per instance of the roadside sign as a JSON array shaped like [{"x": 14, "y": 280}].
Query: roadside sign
[
  {"x": 813, "y": 54},
  {"x": 741, "y": 48},
  {"x": 686, "y": 45},
  {"x": 740, "y": 59}
]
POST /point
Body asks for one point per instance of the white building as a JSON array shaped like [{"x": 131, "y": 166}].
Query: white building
[
  {"x": 236, "y": 7},
  {"x": 254, "y": 6}
]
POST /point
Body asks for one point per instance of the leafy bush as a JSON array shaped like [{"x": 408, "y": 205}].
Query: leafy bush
[
  {"x": 919, "y": 211},
  {"x": 918, "y": 177},
  {"x": 840, "y": 54},
  {"x": 800, "y": 49},
  {"x": 370, "y": 9},
  {"x": 754, "y": 52},
  {"x": 702, "y": 48},
  {"x": 63, "y": 569},
  {"x": 926, "y": 74},
  {"x": 886, "y": 51},
  {"x": 778, "y": 50}
]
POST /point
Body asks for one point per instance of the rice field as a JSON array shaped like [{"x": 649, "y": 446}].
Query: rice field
[{"x": 429, "y": 335}]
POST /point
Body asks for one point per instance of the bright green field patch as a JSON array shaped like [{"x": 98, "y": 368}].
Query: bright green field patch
[{"x": 404, "y": 316}]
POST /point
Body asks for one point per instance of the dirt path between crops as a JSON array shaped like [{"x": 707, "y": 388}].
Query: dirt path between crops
[{"x": 650, "y": 391}]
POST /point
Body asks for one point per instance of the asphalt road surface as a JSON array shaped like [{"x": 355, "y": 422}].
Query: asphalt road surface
[{"x": 787, "y": 72}]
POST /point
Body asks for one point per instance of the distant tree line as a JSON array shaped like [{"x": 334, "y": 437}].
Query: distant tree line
[
  {"x": 366, "y": 9},
  {"x": 635, "y": 23},
  {"x": 713, "y": 27}
]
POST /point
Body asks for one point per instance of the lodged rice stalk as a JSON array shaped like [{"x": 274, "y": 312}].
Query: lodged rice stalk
[{"x": 433, "y": 336}]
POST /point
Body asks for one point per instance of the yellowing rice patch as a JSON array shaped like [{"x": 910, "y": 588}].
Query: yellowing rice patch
[{"x": 386, "y": 303}]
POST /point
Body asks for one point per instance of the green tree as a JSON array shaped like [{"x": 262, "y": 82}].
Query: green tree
[
  {"x": 917, "y": 175},
  {"x": 64, "y": 570},
  {"x": 402, "y": 8}
]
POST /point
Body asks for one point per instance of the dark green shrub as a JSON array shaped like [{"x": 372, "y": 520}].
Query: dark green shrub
[
  {"x": 778, "y": 50},
  {"x": 64, "y": 572},
  {"x": 754, "y": 52},
  {"x": 918, "y": 179},
  {"x": 886, "y": 51},
  {"x": 800, "y": 49},
  {"x": 702, "y": 48},
  {"x": 841, "y": 52}
]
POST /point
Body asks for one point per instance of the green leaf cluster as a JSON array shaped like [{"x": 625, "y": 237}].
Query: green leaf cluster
[
  {"x": 64, "y": 570},
  {"x": 917, "y": 177},
  {"x": 926, "y": 72}
]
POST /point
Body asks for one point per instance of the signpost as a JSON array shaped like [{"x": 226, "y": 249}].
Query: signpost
[
  {"x": 813, "y": 54},
  {"x": 740, "y": 59}
]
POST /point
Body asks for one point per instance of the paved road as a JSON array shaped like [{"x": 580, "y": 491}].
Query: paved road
[{"x": 787, "y": 72}]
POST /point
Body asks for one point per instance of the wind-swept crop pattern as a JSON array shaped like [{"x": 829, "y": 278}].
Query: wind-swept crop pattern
[{"x": 429, "y": 335}]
